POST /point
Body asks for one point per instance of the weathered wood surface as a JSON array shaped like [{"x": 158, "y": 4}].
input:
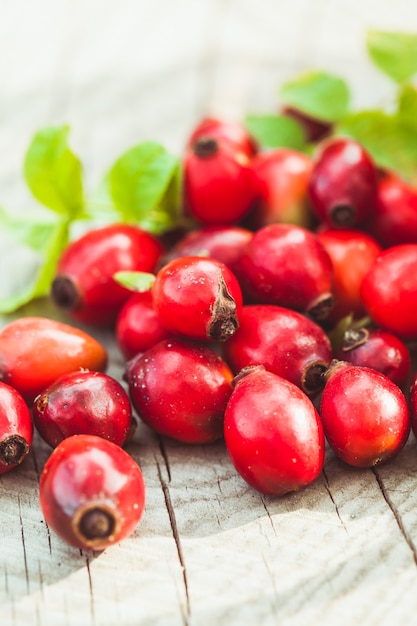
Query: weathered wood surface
[{"x": 209, "y": 550}]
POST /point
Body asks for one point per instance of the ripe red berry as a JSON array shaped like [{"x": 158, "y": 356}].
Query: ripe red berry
[
  {"x": 83, "y": 403},
  {"x": 287, "y": 265},
  {"x": 394, "y": 220},
  {"x": 365, "y": 415},
  {"x": 92, "y": 492},
  {"x": 352, "y": 253},
  {"x": 16, "y": 428},
  {"x": 180, "y": 389},
  {"x": 218, "y": 182},
  {"x": 84, "y": 284},
  {"x": 343, "y": 183},
  {"x": 197, "y": 297},
  {"x": 224, "y": 131},
  {"x": 379, "y": 350},
  {"x": 34, "y": 351},
  {"x": 284, "y": 341},
  {"x": 413, "y": 403},
  {"x": 138, "y": 326},
  {"x": 389, "y": 290},
  {"x": 281, "y": 177},
  {"x": 273, "y": 433}
]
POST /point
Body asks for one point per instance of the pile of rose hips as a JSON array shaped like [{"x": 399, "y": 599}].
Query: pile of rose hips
[{"x": 282, "y": 317}]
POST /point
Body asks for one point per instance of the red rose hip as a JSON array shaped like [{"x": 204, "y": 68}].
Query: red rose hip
[
  {"x": 16, "y": 428},
  {"x": 83, "y": 403},
  {"x": 273, "y": 433},
  {"x": 92, "y": 492},
  {"x": 364, "y": 414},
  {"x": 180, "y": 389}
]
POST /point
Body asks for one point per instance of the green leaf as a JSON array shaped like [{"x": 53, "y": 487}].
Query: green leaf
[
  {"x": 136, "y": 281},
  {"x": 394, "y": 53},
  {"x": 320, "y": 95},
  {"x": 407, "y": 106},
  {"x": 390, "y": 140},
  {"x": 276, "y": 131},
  {"x": 145, "y": 185},
  {"x": 32, "y": 249},
  {"x": 53, "y": 172}
]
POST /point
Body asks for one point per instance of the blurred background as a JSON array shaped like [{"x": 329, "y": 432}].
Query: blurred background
[{"x": 122, "y": 71}]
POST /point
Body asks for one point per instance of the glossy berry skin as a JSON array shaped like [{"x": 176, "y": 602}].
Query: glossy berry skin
[
  {"x": 92, "y": 492},
  {"x": 180, "y": 389},
  {"x": 389, "y": 290},
  {"x": 351, "y": 252},
  {"x": 343, "y": 183},
  {"x": 138, "y": 326},
  {"x": 287, "y": 265},
  {"x": 281, "y": 177},
  {"x": 394, "y": 220},
  {"x": 224, "y": 131},
  {"x": 379, "y": 350},
  {"x": 197, "y": 297},
  {"x": 364, "y": 414},
  {"x": 224, "y": 243},
  {"x": 84, "y": 285},
  {"x": 83, "y": 402},
  {"x": 273, "y": 433},
  {"x": 16, "y": 428},
  {"x": 34, "y": 351},
  {"x": 218, "y": 182},
  {"x": 284, "y": 341},
  {"x": 413, "y": 403}
]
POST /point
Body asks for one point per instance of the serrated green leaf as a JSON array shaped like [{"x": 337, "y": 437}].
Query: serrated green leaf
[
  {"x": 136, "y": 281},
  {"x": 275, "y": 131},
  {"x": 144, "y": 185},
  {"x": 30, "y": 253},
  {"x": 320, "y": 95},
  {"x": 388, "y": 138},
  {"x": 394, "y": 53},
  {"x": 54, "y": 173}
]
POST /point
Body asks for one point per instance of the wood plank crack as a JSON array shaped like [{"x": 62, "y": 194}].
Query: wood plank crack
[
  {"x": 177, "y": 539},
  {"x": 396, "y": 514},
  {"x": 336, "y": 508}
]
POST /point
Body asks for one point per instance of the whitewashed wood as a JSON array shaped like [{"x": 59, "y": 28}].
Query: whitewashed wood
[{"x": 209, "y": 550}]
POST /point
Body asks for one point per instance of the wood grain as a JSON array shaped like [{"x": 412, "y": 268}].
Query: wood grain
[{"x": 209, "y": 550}]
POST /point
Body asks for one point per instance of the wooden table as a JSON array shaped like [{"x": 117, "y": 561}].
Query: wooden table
[{"x": 209, "y": 549}]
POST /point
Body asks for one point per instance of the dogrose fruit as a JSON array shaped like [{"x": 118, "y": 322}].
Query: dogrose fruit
[
  {"x": 35, "y": 351},
  {"x": 197, "y": 297},
  {"x": 92, "y": 492},
  {"x": 218, "y": 182},
  {"x": 180, "y": 389},
  {"x": 83, "y": 402},
  {"x": 364, "y": 414},
  {"x": 16, "y": 428},
  {"x": 286, "y": 342},
  {"x": 343, "y": 183},
  {"x": 273, "y": 433},
  {"x": 84, "y": 284},
  {"x": 287, "y": 265},
  {"x": 389, "y": 290}
]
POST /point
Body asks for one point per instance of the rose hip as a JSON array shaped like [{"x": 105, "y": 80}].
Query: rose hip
[
  {"x": 273, "y": 433},
  {"x": 92, "y": 492},
  {"x": 365, "y": 415},
  {"x": 34, "y": 351},
  {"x": 180, "y": 389},
  {"x": 16, "y": 428},
  {"x": 83, "y": 403},
  {"x": 199, "y": 298}
]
